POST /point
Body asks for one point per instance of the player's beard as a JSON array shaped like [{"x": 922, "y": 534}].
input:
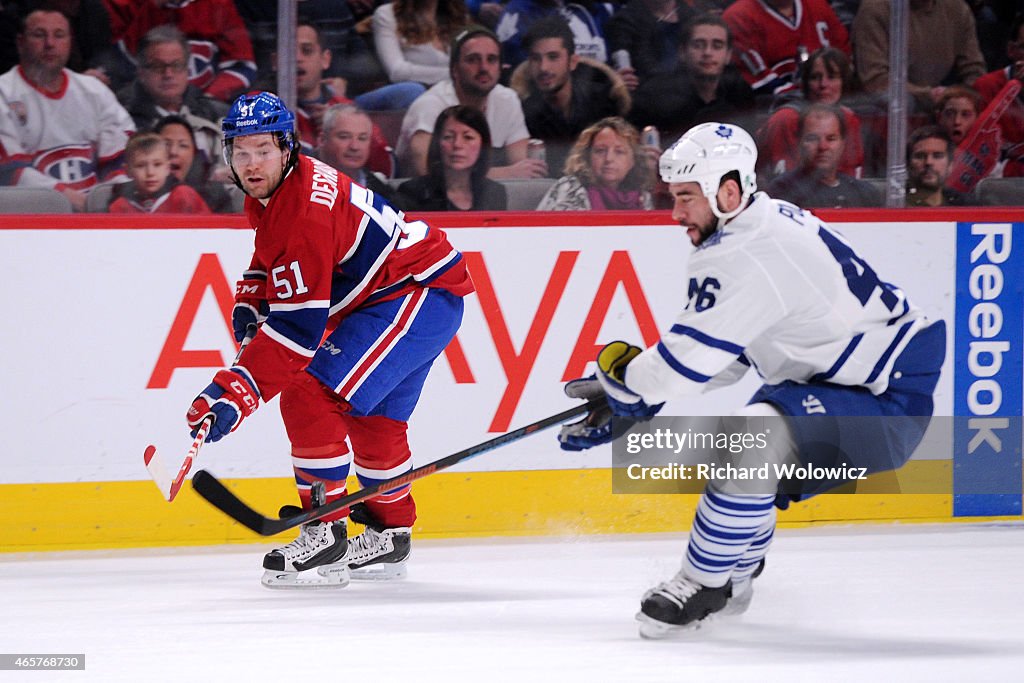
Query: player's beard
[
  {"x": 704, "y": 230},
  {"x": 270, "y": 185}
]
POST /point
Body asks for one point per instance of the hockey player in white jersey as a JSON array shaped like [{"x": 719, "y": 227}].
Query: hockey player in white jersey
[{"x": 773, "y": 288}]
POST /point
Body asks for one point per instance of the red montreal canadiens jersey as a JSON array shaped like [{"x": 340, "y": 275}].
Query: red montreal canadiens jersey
[
  {"x": 73, "y": 138},
  {"x": 766, "y": 43},
  {"x": 328, "y": 247}
]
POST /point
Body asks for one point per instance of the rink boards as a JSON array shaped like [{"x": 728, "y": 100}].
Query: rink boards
[{"x": 119, "y": 321}]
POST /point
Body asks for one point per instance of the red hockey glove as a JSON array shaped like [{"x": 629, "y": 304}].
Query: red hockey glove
[{"x": 230, "y": 398}]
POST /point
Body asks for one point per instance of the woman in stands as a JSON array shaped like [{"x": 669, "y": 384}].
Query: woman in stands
[
  {"x": 412, "y": 38},
  {"x": 457, "y": 161},
  {"x": 606, "y": 169},
  {"x": 190, "y": 166},
  {"x": 826, "y": 77}
]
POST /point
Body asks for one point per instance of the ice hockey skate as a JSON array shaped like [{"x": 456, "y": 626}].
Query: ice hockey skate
[
  {"x": 379, "y": 553},
  {"x": 312, "y": 559},
  {"x": 679, "y": 605}
]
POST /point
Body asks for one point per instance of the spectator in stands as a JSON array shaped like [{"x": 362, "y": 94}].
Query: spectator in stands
[
  {"x": 977, "y": 143},
  {"x": 943, "y": 48},
  {"x": 929, "y": 159},
  {"x": 957, "y": 111},
  {"x": 162, "y": 88},
  {"x": 475, "y": 63},
  {"x": 315, "y": 95},
  {"x": 457, "y": 164},
  {"x": 352, "y": 60},
  {"x": 188, "y": 166},
  {"x": 345, "y": 142},
  {"x": 152, "y": 188},
  {"x": 651, "y": 33},
  {"x": 221, "y": 61},
  {"x": 824, "y": 79},
  {"x": 58, "y": 129},
  {"x": 817, "y": 182},
  {"x": 607, "y": 169},
  {"x": 562, "y": 92},
  {"x": 772, "y": 38},
  {"x": 412, "y": 38},
  {"x": 991, "y": 86},
  {"x": 92, "y": 47},
  {"x": 586, "y": 19},
  {"x": 706, "y": 86}
]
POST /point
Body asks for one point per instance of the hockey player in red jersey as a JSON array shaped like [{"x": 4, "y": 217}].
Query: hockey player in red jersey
[{"x": 353, "y": 304}]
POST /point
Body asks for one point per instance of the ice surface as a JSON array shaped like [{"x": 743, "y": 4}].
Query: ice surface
[{"x": 910, "y": 603}]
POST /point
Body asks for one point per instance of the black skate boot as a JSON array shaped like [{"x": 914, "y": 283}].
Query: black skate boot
[
  {"x": 679, "y": 604},
  {"x": 320, "y": 546},
  {"x": 379, "y": 553}
]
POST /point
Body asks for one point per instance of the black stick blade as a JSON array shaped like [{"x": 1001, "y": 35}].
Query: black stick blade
[{"x": 218, "y": 495}]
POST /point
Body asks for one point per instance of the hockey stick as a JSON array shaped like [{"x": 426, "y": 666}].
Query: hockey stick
[
  {"x": 169, "y": 486},
  {"x": 210, "y": 488}
]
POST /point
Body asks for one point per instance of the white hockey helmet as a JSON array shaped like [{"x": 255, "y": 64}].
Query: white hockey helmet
[{"x": 706, "y": 153}]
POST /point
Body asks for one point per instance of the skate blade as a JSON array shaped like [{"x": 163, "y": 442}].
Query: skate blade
[
  {"x": 385, "y": 571},
  {"x": 329, "y": 576},
  {"x": 652, "y": 629}
]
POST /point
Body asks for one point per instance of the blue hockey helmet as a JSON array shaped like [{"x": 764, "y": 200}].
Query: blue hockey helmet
[{"x": 259, "y": 112}]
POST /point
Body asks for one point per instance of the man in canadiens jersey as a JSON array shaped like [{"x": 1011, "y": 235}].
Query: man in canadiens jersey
[
  {"x": 352, "y": 304},
  {"x": 773, "y": 288}
]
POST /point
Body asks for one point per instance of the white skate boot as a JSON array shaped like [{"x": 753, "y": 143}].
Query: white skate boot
[
  {"x": 379, "y": 553},
  {"x": 312, "y": 559}
]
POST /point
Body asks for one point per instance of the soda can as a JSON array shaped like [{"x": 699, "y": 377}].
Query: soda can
[
  {"x": 535, "y": 149},
  {"x": 650, "y": 137},
  {"x": 621, "y": 60}
]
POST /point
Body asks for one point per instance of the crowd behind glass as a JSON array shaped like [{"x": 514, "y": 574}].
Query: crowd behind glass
[{"x": 448, "y": 105}]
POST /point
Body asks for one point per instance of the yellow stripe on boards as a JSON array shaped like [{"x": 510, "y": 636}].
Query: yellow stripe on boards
[{"x": 71, "y": 516}]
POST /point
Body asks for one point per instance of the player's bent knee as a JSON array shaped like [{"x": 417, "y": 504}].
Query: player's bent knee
[{"x": 313, "y": 414}]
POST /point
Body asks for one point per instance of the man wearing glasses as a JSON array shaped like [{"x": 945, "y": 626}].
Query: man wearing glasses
[
  {"x": 163, "y": 88},
  {"x": 58, "y": 129}
]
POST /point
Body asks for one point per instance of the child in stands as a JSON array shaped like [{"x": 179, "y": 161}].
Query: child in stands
[{"x": 152, "y": 189}]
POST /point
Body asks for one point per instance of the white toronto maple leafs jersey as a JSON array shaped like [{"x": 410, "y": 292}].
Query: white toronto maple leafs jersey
[
  {"x": 779, "y": 291},
  {"x": 74, "y": 138}
]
